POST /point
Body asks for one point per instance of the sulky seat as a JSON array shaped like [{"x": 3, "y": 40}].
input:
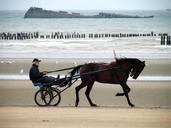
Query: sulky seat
[{"x": 40, "y": 84}]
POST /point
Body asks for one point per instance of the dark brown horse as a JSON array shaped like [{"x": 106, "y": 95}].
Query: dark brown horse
[{"x": 112, "y": 73}]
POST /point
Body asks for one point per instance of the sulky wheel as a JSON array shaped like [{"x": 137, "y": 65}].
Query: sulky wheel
[
  {"x": 42, "y": 97},
  {"x": 55, "y": 97}
]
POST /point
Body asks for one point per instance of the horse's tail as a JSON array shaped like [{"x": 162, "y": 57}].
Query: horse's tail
[{"x": 75, "y": 70}]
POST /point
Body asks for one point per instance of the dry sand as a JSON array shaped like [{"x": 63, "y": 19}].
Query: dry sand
[{"x": 68, "y": 117}]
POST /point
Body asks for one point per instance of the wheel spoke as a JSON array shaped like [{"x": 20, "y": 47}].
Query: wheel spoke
[
  {"x": 55, "y": 97},
  {"x": 42, "y": 97}
]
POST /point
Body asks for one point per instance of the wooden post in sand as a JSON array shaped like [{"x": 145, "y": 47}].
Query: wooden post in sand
[
  {"x": 152, "y": 33},
  {"x": 168, "y": 40},
  {"x": 162, "y": 40}
]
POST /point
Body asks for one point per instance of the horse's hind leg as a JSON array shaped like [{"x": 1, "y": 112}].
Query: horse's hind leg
[
  {"x": 87, "y": 93},
  {"x": 77, "y": 89}
]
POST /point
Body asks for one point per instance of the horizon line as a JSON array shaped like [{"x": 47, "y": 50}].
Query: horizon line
[{"x": 88, "y": 9}]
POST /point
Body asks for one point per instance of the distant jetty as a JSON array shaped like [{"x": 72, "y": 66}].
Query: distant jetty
[
  {"x": 35, "y": 12},
  {"x": 76, "y": 35},
  {"x": 168, "y": 9}
]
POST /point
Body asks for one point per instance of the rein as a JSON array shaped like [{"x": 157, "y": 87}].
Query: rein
[
  {"x": 82, "y": 65},
  {"x": 62, "y": 69},
  {"x": 84, "y": 74},
  {"x": 94, "y": 72}
]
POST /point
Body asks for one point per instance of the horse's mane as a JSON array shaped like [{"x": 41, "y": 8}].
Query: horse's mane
[{"x": 126, "y": 60}]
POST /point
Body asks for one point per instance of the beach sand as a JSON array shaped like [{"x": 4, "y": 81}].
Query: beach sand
[
  {"x": 151, "y": 98},
  {"x": 154, "y": 67},
  {"x": 143, "y": 94},
  {"x": 16, "y": 92}
]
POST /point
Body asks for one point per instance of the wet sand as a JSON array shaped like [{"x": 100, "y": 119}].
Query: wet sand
[
  {"x": 154, "y": 67},
  {"x": 143, "y": 94}
]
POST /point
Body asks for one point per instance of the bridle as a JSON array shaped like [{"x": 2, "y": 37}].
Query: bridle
[{"x": 137, "y": 69}]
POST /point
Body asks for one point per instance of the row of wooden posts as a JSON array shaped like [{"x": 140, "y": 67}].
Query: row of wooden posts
[
  {"x": 61, "y": 35},
  {"x": 19, "y": 35},
  {"x": 165, "y": 40}
]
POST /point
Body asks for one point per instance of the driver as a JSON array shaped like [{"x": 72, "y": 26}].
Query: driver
[{"x": 39, "y": 77}]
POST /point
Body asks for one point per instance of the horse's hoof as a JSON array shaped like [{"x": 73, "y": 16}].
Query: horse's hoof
[
  {"x": 131, "y": 105},
  {"x": 76, "y": 105},
  {"x": 119, "y": 94},
  {"x": 94, "y": 105}
]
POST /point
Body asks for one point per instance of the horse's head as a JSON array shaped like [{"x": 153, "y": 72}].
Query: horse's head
[{"x": 138, "y": 67}]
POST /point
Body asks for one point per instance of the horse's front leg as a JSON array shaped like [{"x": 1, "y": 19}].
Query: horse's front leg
[
  {"x": 122, "y": 94},
  {"x": 129, "y": 102},
  {"x": 125, "y": 89}
]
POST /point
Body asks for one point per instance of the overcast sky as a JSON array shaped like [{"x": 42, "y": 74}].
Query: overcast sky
[{"x": 86, "y": 4}]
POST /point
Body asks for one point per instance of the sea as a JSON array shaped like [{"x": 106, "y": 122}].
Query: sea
[{"x": 140, "y": 47}]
